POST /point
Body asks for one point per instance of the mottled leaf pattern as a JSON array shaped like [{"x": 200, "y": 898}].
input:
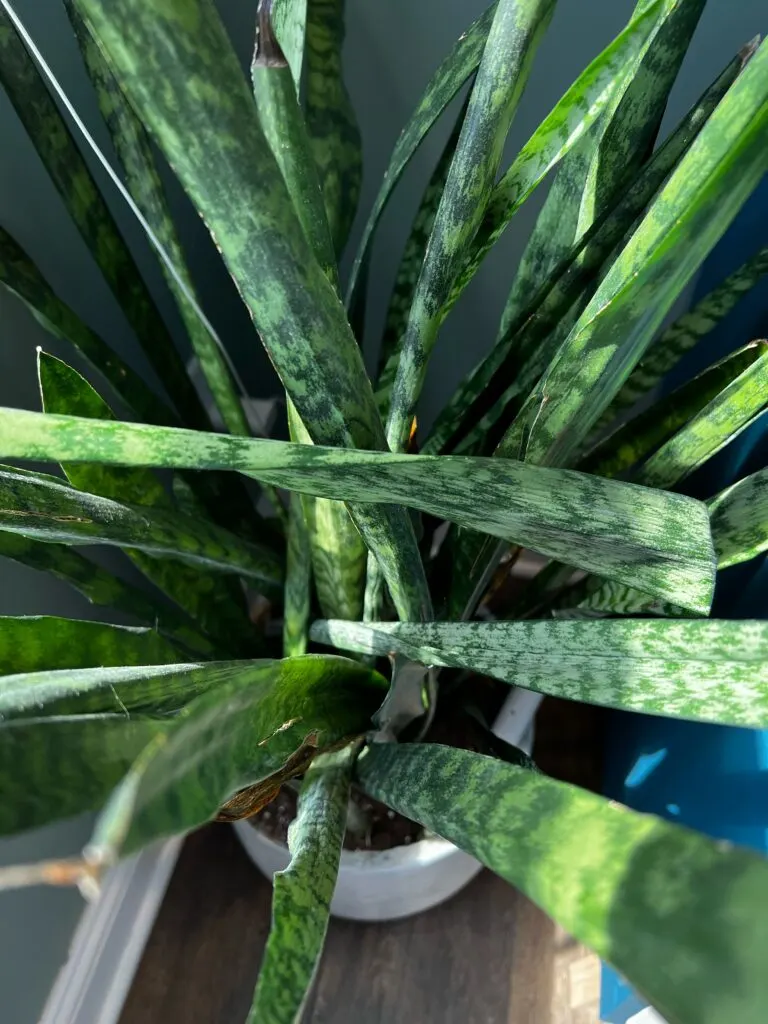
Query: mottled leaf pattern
[
  {"x": 515, "y": 33},
  {"x": 32, "y": 643},
  {"x": 242, "y": 733},
  {"x": 302, "y": 893},
  {"x": 212, "y": 138},
  {"x": 656, "y": 541},
  {"x": 58, "y": 767},
  {"x": 298, "y": 577},
  {"x": 699, "y": 669},
  {"x": 331, "y": 120},
  {"x": 22, "y": 278},
  {"x": 639, "y": 891},
  {"x": 739, "y": 517},
  {"x": 453, "y": 72},
  {"x": 69, "y": 173}
]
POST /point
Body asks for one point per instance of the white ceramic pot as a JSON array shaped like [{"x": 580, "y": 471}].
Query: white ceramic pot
[{"x": 382, "y": 885}]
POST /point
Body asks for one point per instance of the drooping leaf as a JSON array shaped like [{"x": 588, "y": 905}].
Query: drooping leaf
[
  {"x": 594, "y": 175},
  {"x": 657, "y": 541},
  {"x": 302, "y": 893},
  {"x": 630, "y": 443},
  {"x": 739, "y": 517},
  {"x": 215, "y": 603},
  {"x": 331, "y": 120},
  {"x": 688, "y": 216},
  {"x": 699, "y": 669},
  {"x": 103, "y": 588},
  {"x": 69, "y": 172},
  {"x": 37, "y": 507},
  {"x": 687, "y": 331},
  {"x": 22, "y": 278},
  {"x": 514, "y": 36},
  {"x": 134, "y": 152},
  {"x": 146, "y": 689},
  {"x": 239, "y": 736},
  {"x": 639, "y": 891},
  {"x": 493, "y": 392},
  {"x": 457, "y": 68},
  {"x": 32, "y": 643},
  {"x": 722, "y": 419},
  {"x": 179, "y": 71},
  {"x": 298, "y": 577},
  {"x": 54, "y": 768}
]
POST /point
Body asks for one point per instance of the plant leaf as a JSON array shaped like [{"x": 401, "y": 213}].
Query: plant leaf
[
  {"x": 37, "y": 507},
  {"x": 298, "y": 576},
  {"x": 238, "y": 736},
  {"x": 656, "y": 541},
  {"x": 686, "y": 332},
  {"x": 289, "y": 19},
  {"x": 515, "y": 34},
  {"x": 724, "y": 418},
  {"x": 22, "y": 278},
  {"x": 457, "y": 68},
  {"x": 31, "y": 643},
  {"x": 636, "y": 438},
  {"x": 216, "y": 604},
  {"x": 595, "y": 174},
  {"x": 55, "y": 768},
  {"x": 134, "y": 152},
  {"x": 494, "y": 390},
  {"x": 637, "y": 890},
  {"x": 688, "y": 216},
  {"x": 102, "y": 588},
  {"x": 302, "y": 893},
  {"x": 331, "y": 120},
  {"x": 739, "y": 517},
  {"x": 179, "y": 71},
  {"x": 699, "y": 669},
  {"x": 69, "y": 172}
]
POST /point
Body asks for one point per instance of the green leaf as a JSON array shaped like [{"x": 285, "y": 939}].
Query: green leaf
[
  {"x": 40, "y": 508},
  {"x": 593, "y": 92},
  {"x": 687, "y": 331},
  {"x": 410, "y": 266},
  {"x": 331, "y": 120},
  {"x": 688, "y": 216},
  {"x": 457, "y": 68},
  {"x": 517, "y": 29},
  {"x": 494, "y": 390},
  {"x": 698, "y": 669},
  {"x": 216, "y": 604},
  {"x": 134, "y": 152},
  {"x": 146, "y": 689},
  {"x": 177, "y": 67},
  {"x": 22, "y": 278},
  {"x": 659, "y": 542},
  {"x": 302, "y": 893},
  {"x": 102, "y": 588},
  {"x": 35, "y": 642},
  {"x": 637, "y": 890},
  {"x": 298, "y": 577},
  {"x": 69, "y": 172},
  {"x": 289, "y": 19},
  {"x": 724, "y": 418},
  {"x": 739, "y": 517},
  {"x": 595, "y": 174},
  {"x": 55, "y": 768},
  {"x": 246, "y": 731},
  {"x": 635, "y": 439}
]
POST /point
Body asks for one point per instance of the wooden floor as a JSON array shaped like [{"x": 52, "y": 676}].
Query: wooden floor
[{"x": 486, "y": 957}]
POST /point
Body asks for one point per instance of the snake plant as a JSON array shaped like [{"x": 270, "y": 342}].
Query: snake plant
[{"x": 312, "y": 605}]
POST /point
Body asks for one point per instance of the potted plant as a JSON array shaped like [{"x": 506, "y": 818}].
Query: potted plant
[{"x": 205, "y": 711}]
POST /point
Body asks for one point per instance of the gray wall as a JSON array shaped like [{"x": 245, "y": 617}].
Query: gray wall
[{"x": 392, "y": 48}]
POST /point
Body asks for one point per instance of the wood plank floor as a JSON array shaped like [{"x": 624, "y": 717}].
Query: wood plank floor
[{"x": 486, "y": 957}]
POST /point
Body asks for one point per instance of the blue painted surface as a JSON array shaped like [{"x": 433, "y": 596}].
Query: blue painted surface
[{"x": 709, "y": 777}]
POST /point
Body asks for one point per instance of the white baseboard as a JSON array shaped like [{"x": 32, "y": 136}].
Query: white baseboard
[{"x": 92, "y": 986}]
